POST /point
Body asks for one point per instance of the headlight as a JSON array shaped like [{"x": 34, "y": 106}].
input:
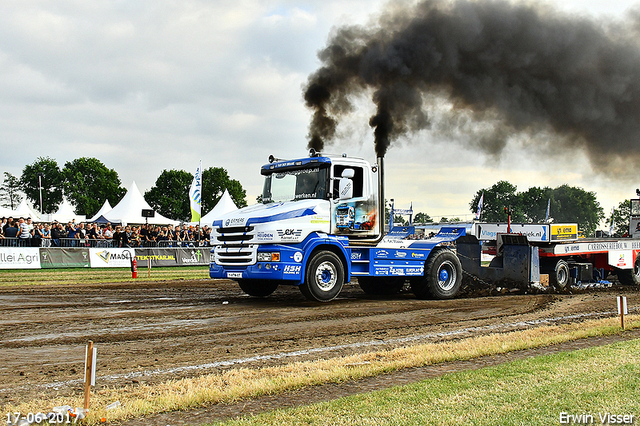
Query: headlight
[{"x": 269, "y": 256}]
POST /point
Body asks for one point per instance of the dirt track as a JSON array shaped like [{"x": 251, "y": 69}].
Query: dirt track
[{"x": 148, "y": 332}]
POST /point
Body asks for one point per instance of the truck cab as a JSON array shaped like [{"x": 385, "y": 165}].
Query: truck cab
[{"x": 319, "y": 223}]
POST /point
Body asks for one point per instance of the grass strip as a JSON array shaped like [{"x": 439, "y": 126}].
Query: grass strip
[
  {"x": 9, "y": 278},
  {"x": 242, "y": 383},
  {"x": 589, "y": 384}
]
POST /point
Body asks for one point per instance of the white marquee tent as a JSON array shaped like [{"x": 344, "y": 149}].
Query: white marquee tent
[
  {"x": 65, "y": 214},
  {"x": 106, "y": 208},
  {"x": 129, "y": 210},
  {"x": 224, "y": 205},
  {"x": 25, "y": 210},
  {"x": 5, "y": 212}
]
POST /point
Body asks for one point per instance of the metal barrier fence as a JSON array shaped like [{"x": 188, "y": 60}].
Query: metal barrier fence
[{"x": 87, "y": 242}]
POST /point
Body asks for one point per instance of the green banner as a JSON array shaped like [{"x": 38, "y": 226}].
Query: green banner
[{"x": 64, "y": 258}]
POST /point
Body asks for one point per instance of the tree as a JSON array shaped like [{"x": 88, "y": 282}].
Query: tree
[
  {"x": 500, "y": 196},
  {"x": 170, "y": 194},
  {"x": 88, "y": 183},
  {"x": 577, "y": 205},
  {"x": 622, "y": 216},
  {"x": 10, "y": 191},
  {"x": 568, "y": 205},
  {"x": 422, "y": 218},
  {"x": 534, "y": 204},
  {"x": 214, "y": 181},
  {"x": 52, "y": 183}
]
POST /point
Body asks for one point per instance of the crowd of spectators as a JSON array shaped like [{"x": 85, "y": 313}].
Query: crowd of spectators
[{"x": 24, "y": 233}]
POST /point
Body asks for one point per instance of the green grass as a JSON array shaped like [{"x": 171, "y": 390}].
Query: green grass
[
  {"x": 533, "y": 391},
  {"x": 9, "y": 277}
]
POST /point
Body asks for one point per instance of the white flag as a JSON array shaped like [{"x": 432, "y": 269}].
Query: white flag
[
  {"x": 195, "y": 194},
  {"x": 546, "y": 219},
  {"x": 612, "y": 228},
  {"x": 479, "y": 207}
]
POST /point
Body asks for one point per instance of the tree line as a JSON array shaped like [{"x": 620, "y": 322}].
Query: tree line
[{"x": 87, "y": 183}]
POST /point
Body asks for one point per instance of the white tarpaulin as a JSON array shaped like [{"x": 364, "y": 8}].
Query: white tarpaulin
[{"x": 129, "y": 210}]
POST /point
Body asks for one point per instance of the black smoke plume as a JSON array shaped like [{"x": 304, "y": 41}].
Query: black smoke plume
[{"x": 535, "y": 68}]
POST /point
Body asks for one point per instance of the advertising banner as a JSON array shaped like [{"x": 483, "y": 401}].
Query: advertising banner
[
  {"x": 19, "y": 258},
  {"x": 157, "y": 257},
  {"x": 534, "y": 232},
  {"x": 193, "y": 256},
  {"x": 566, "y": 231},
  {"x": 64, "y": 258},
  {"x": 111, "y": 257}
]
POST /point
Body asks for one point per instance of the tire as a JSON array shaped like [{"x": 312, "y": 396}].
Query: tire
[
  {"x": 559, "y": 277},
  {"x": 442, "y": 276},
  {"x": 381, "y": 286},
  {"x": 258, "y": 288},
  {"x": 630, "y": 276},
  {"x": 324, "y": 277}
]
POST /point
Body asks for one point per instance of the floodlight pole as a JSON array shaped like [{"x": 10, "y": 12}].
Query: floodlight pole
[{"x": 40, "y": 187}]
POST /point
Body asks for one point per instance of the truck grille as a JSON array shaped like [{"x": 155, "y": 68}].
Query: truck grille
[
  {"x": 235, "y": 255},
  {"x": 232, "y": 246}
]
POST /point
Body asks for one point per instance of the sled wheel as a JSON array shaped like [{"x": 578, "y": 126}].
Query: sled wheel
[{"x": 559, "y": 278}]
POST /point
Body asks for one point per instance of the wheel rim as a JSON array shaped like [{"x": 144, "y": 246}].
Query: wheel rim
[
  {"x": 447, "y": 275},
  {"x": 326, "y": 276},
  {"x": 562, "y": 276}
]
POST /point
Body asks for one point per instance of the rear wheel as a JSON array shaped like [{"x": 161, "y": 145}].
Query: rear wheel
[
  {"x": 630, "y": 276},
  {"x": 559, "y": 277},
  {"x": 381, "y": 285},
  {"x": 442, "y": 277},
  {"x": 258, "y": 288},
  {"x": 324, "y": 277}
]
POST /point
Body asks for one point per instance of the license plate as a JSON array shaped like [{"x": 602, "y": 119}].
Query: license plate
[{"x": 234, "y": 274}]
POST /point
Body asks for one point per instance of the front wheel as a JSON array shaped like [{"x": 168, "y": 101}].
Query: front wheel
[
  {"x": 258, "y": 288},
  {"x": 442, "y": 277},
  {"x": 324, "y": 277}
]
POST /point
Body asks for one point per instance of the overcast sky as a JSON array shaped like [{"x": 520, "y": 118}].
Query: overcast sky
[{"x": 148, "y": 86}]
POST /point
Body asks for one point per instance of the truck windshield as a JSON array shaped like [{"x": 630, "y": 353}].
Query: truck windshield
[{"x": 292, "y": 185}]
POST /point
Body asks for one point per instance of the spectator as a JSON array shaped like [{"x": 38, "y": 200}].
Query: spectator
[
  {"x": 36, "y": 241},
  {"x": 81, "y": 235},
  {"x": 117, "y": 236},
  {"x": 46, "y": 236},
  {"x": 93, "y": 235},
  {"x": 24, "y": 233},
  {"x": 71, "y": 231}
]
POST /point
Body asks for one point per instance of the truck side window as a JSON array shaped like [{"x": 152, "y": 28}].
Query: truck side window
[{"x": 358, "y": 179}]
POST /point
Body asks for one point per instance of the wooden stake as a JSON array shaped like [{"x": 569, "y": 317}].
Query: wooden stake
[
  {"x": 149, "y": 266},
  {"x": 88, "y": 374}
]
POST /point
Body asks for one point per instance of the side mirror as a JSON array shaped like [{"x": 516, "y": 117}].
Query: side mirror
[{"x": 345, "y": 186}]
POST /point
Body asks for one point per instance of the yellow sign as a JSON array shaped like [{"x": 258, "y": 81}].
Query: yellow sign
[{"x": 564, "y": 231}]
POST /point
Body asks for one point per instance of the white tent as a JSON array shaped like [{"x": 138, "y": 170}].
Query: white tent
[
  {"x": 25, "y": 210},
  {"x": 106, "y": 208},
  {"x": 65, "y": 214},
  {"x": 5, "y": 212},
  {"x": 224, "y": 205},
  {"x": 129, "y": 210}
]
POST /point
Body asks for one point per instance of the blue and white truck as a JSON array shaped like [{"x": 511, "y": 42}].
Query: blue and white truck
[{"x": 320, "y": 223}]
